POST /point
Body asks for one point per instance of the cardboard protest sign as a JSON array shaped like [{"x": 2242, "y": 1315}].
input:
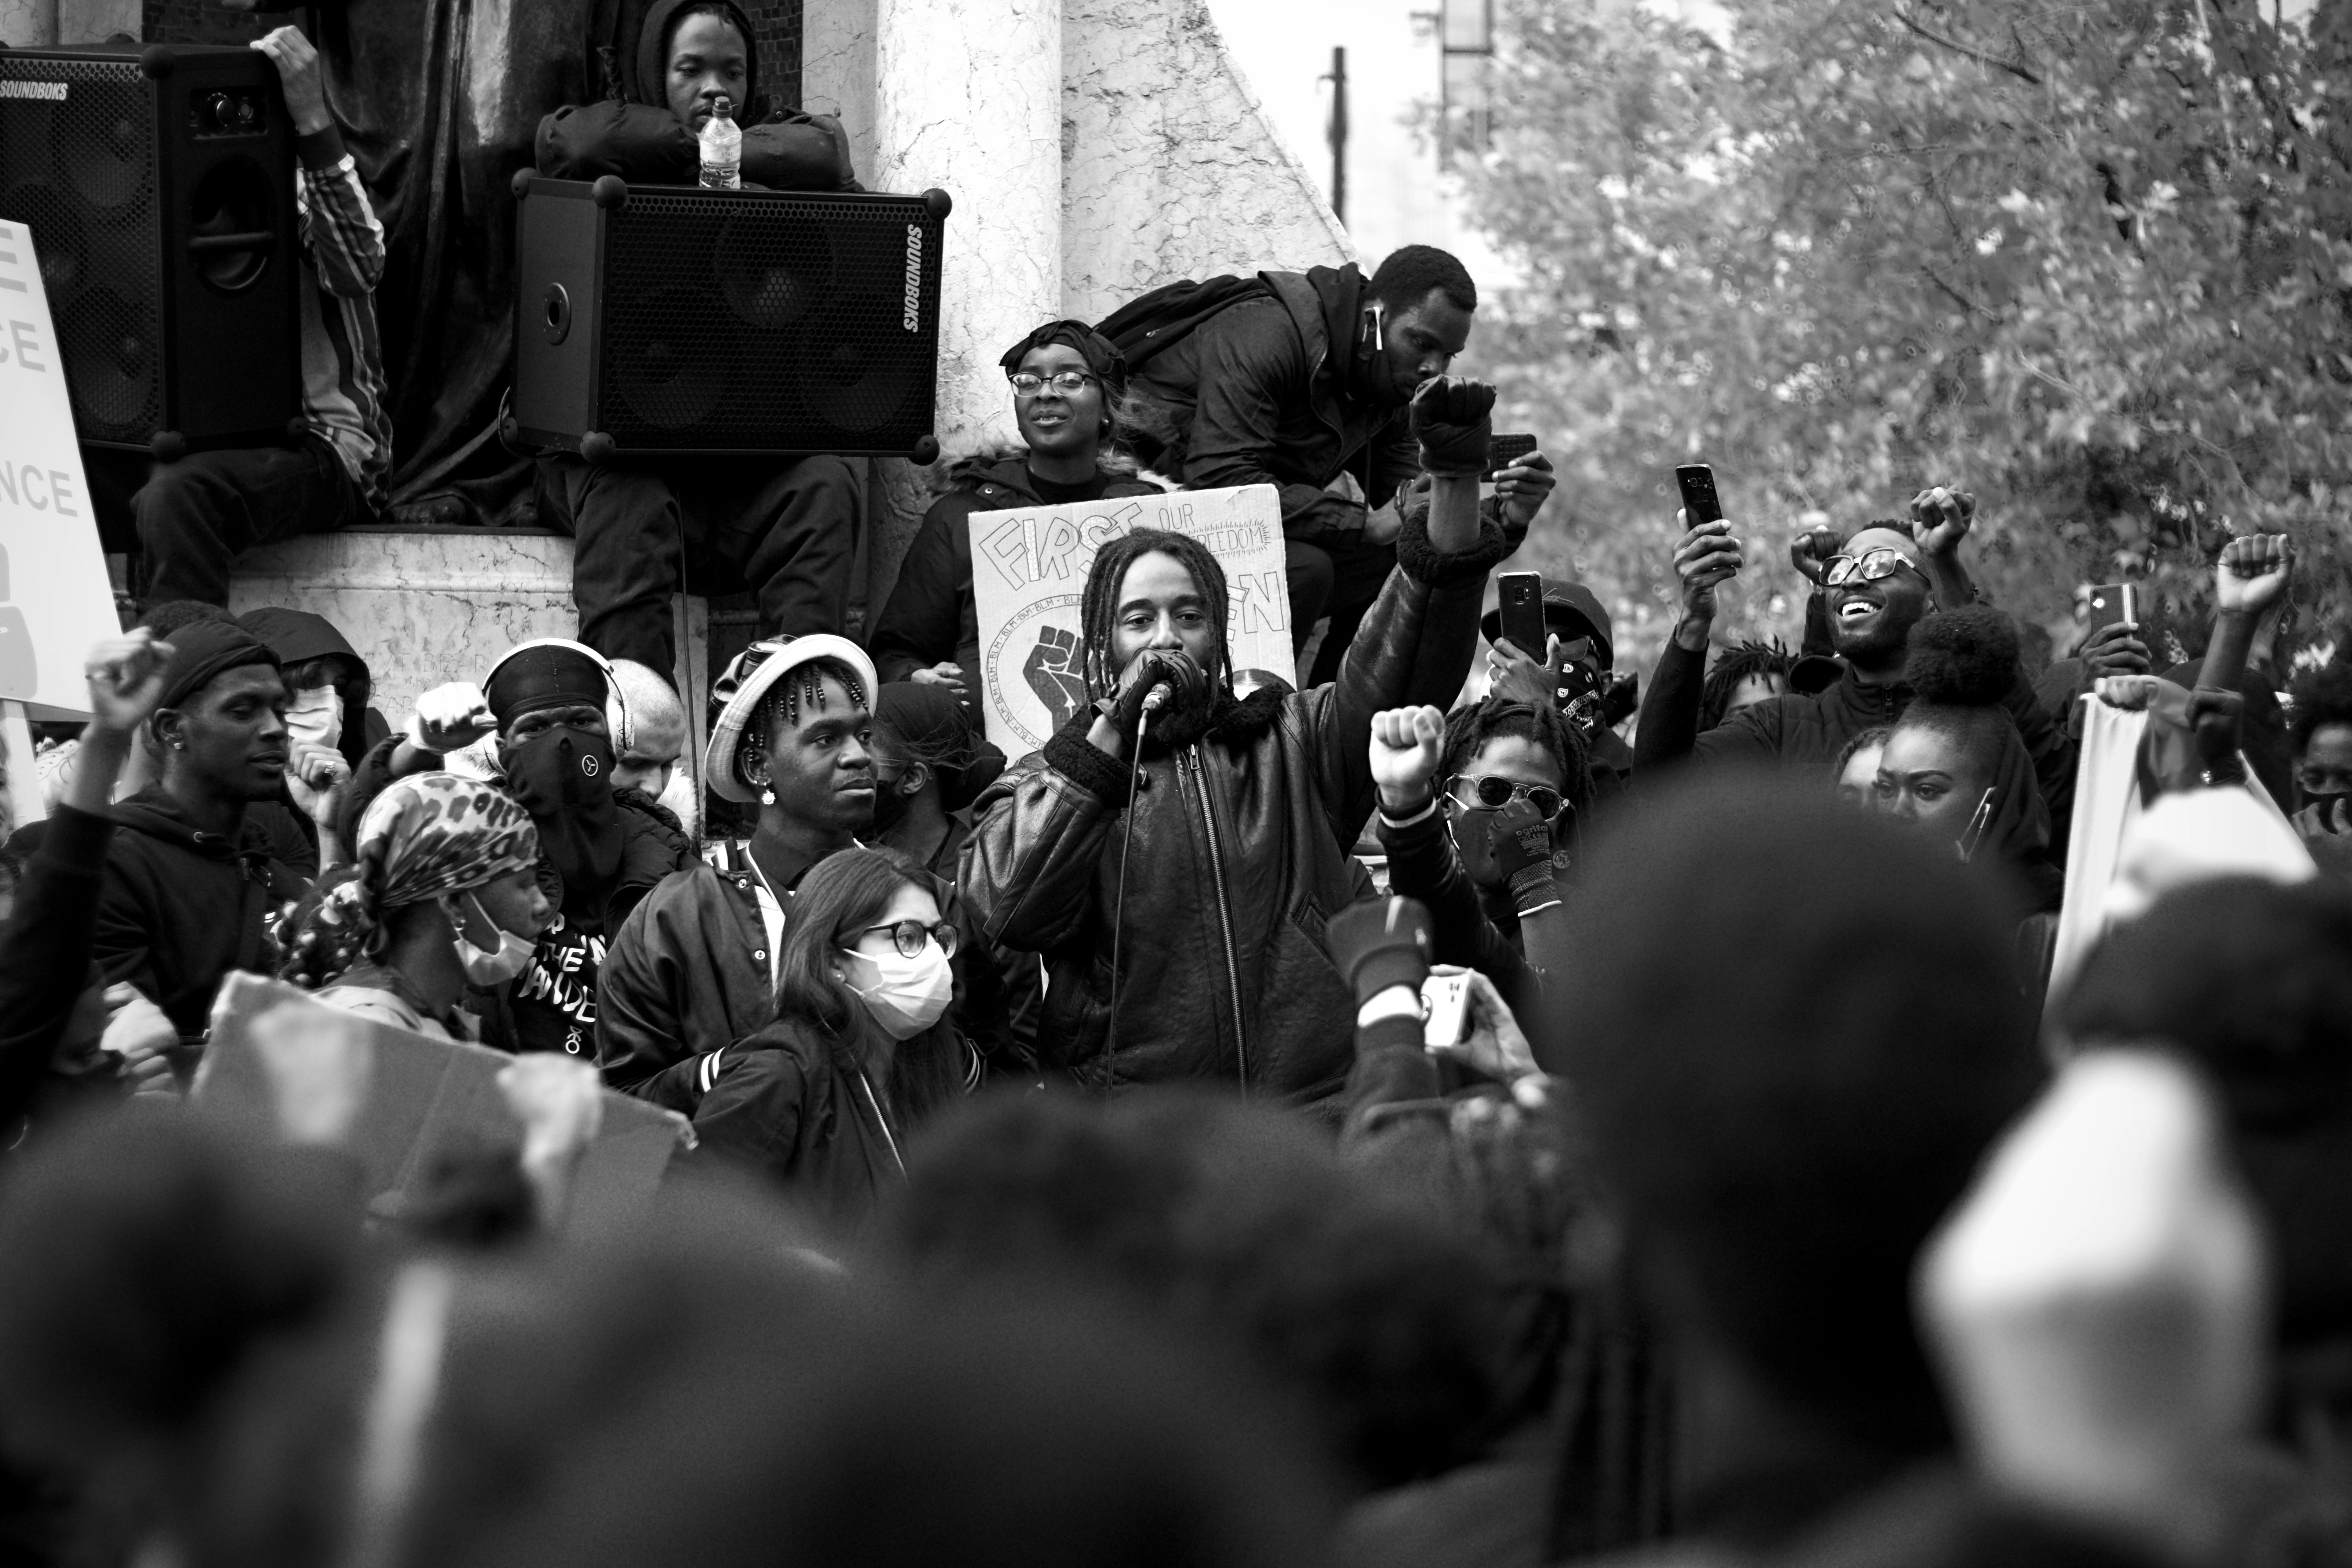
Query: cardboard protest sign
[
  {"x": 421, "y": 1097},
  {"x": 1029, "y": 571},
  {"x": 55, "y": 602}
]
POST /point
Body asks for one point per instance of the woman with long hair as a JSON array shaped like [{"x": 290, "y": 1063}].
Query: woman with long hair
[
  {"x": 862, "y": 1048},
  {"x": 445, "y": 894}
]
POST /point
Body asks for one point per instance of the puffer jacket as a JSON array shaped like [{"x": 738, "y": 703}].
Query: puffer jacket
[
  {"x": 1265, "y": 392},
  {"x": 930, "y": 617},
  {"x": 1240, "y": 853},
  {"x": 1800, "y": 731}
]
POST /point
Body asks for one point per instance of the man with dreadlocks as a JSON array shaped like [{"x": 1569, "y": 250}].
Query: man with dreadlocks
[
  {"x": 1237, "y": 816},
  {"x": 599, "y": 853},
  {"x": 1742, "y": 675}
]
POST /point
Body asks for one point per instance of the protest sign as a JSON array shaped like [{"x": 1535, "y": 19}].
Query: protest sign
[
  {"x": 56, "y": 603},
  {"x": 1029, "y": 571},
  {"x": 420, "y": 1098}
]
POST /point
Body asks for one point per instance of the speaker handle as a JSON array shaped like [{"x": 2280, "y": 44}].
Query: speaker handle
[
  {"x": 595, "y": 446},
  {"x": 156, "y": 62},
  {"x": 925, "y": 451},
  {"x": 938, "y": 203},
  {"x": 167, "y": 446},
  {"x": 232, "y": 244}
]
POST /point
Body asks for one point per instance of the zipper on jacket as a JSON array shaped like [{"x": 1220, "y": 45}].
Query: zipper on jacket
[
  {"x": 882, "y": 1121},
  {"x": 1188, "y": 765}
]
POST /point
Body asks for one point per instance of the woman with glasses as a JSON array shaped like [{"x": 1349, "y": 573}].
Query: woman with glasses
[
  {"x": 1065, "y": 380},
  {"x": 1479, "y": 812},
  {"x": 862, "y": 1048}
]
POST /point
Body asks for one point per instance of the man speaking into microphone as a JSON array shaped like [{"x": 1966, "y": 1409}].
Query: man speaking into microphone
[{"x": 1174, "y": 851}]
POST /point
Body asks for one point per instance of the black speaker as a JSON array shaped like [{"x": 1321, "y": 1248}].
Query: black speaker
[
  {"x": 674, "y": 318},
  {"x": 159, "y": 185}
]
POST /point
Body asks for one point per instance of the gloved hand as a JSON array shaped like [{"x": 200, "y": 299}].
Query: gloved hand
[
  {"x": 1451, "y": 417},
  {"x": 450, "y": 718},
  {"x": 1379, "y": 943},
  {"x": 1520, "y": 841},
  {"x": 1147, "y": 670}
]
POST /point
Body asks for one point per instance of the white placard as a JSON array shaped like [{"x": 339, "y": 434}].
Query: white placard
[
  {"x": 56, "y": 603},
  {"x": 1029, "y": 573}
]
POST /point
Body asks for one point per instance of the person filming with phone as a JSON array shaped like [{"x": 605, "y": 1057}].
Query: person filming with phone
[{"x": 1879, "y": 585}]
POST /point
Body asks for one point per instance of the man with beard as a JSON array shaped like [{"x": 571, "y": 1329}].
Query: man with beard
[
  {"x": 1300, "y": 378},
  {"x": 600, "y": 855},
  {"x": 1208, "y": 962},
  {"x": 1878, "y": 587}
]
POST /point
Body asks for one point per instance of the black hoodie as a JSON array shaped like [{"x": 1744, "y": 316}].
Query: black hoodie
[
  {"x": 180, "y": 908},
  {"x": 633, "y": 133}
]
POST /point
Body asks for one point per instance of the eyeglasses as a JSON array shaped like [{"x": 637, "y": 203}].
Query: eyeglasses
[
  {"x": 1870, "y": 566},
  {"x": 1069, "y": 382},
  {"x": 908, "y": 936},
  {"x": 1491, "y": 793}
]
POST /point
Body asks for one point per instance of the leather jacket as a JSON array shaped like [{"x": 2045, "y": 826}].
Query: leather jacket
[{"x": 1240, "y": 849}]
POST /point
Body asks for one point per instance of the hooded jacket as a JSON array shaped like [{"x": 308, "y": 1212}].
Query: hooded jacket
[
  {"x": 633, "y": 133},
  {"x": 1240, "y": 842},
  {"x": 180, "y": 908},
  {"x": 1267, "y": 392},
  {"x": 930, "y": 617},
  {"x": 297, "y": 636}
]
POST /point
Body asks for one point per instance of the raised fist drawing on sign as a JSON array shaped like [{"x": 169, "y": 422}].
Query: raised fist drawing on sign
[{"x": 1054, "y": 673}]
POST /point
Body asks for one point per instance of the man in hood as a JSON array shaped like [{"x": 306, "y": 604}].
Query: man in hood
[
  {"x": 1066, "y": 380},
  {"x": 189, "y": 880},
  {"x": 600, "y": 852},
  {"x": 1303, "y": 379}
]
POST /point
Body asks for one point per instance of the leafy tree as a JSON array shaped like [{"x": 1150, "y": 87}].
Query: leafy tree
[{"x": 2091, "y": 263}]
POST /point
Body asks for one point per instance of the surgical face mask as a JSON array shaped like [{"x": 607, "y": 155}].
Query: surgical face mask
[
  {"x": 495, "y": 966},
  {"x": 315, "y": 716},
  {"x": 904, "y": 996}
]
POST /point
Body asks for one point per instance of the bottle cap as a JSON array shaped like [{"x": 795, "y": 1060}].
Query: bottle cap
[{"x": 720, "y": 106}]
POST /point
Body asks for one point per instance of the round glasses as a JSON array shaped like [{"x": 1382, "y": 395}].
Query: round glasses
[
  {"x": 1870, "y": 566},
  {"x": 1069, "y": 382},
  {"x": 908, "y": 936},
  {"x": 1491, "y": 793}
]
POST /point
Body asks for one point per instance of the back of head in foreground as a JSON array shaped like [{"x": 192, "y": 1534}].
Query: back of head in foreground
[{"x": 1798, "y": 1030}]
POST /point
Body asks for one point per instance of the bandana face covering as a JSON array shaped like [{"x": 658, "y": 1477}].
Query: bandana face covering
[
  {"x": 315, "y": 716},
  {"x": 563, "y": 777}
]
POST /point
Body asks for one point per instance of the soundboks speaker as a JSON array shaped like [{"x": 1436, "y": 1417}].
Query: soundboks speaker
[
  {"x": 159, "y": 185},
  {"x": 675, "y": 319}
]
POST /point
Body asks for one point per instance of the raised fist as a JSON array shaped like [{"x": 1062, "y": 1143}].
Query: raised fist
[
  {"x": 450, "y": 718},
  {"x": 1405, "y": 746},
  {"x": 1940, "y": 518},
  {"x": 1451, "y": 416},
  {"x": 2253, "y": 573},
  {"x": 1054, "y": 672}
]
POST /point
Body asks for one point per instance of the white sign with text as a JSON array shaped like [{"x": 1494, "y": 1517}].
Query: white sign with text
[
  {"x": 1029, "y": 573},
  {"x": 55, "y": 602}
]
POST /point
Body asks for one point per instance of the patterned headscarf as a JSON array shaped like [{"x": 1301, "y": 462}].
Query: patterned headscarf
[{"x": 426, "y": 835}]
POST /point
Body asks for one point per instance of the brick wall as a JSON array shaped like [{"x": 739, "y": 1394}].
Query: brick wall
[{"x": 777, "y": 23}]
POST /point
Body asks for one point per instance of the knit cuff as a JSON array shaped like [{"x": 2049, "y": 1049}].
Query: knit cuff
[
  {"x": 322, "y": 149},
  {"x": 1070, "y": 754},
  {"x": 1423, "y": 563}
]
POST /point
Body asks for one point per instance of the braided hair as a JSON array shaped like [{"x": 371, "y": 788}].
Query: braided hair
[
  {"x": 1099, "y": 611},
  {"x": 1740, "y": 662},
  {"x": 780, "y": 707},
  {"x": 1469, "y": 728}
]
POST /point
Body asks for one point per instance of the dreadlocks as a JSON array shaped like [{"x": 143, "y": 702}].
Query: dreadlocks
[
  {"x": 1468, "y": 729},
  {"x": 1740, "y": 662},
  {"x": 781, "y": 707},
  {"x": 1098, "y": 612}
]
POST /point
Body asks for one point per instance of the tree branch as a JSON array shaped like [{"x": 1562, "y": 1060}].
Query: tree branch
[{"x": 1982, "y": 59}]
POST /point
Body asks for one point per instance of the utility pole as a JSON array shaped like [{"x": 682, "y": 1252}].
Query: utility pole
[{"x": 1337, "y": 132}]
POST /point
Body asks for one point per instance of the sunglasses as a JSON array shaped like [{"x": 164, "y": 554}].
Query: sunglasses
[
  {"x": 1069, "y": 382},
  {"x": 1491, "y": 793},
  {"x": 908, "y": 936},
  {"x": 1870, "y": 566}
]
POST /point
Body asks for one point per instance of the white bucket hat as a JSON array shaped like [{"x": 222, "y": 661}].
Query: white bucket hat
[{"x": 739, "y": 694}]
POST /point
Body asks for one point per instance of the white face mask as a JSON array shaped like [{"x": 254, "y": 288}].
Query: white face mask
[
  {"x": 315, "y": 716},
  {"x": 905, "y": 995},
  {"x": 493, "y": 966}
]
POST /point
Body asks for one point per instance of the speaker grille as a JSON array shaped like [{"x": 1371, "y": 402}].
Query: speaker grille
[
  {"x": 761, "y": 322},
  {"x": 80, "y": 174}
]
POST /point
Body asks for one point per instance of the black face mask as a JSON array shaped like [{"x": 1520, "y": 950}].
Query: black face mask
[{"x": 563, "y": 777}]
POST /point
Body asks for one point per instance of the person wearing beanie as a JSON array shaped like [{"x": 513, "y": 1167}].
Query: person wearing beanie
[
  {"x": 445, "y": 894},
  {"x": 1300, "y": 380},
  {"x": 1877, "y": 587},
  {"x": 190, "y": 883},
  {"x": 1068, "y": 380},
  {"x": 600, "y": 852}
]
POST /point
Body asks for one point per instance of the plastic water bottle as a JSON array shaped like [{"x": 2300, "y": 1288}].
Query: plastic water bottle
[{"x": 722, "y": 149}]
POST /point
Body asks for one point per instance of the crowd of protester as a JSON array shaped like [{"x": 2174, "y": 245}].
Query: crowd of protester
[{"x": 1852, "y": 1110}]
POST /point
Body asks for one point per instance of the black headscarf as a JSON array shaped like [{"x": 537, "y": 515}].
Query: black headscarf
[
  {"x": 202, "y": 650},
  {"x": 1102, "y": 355}
]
